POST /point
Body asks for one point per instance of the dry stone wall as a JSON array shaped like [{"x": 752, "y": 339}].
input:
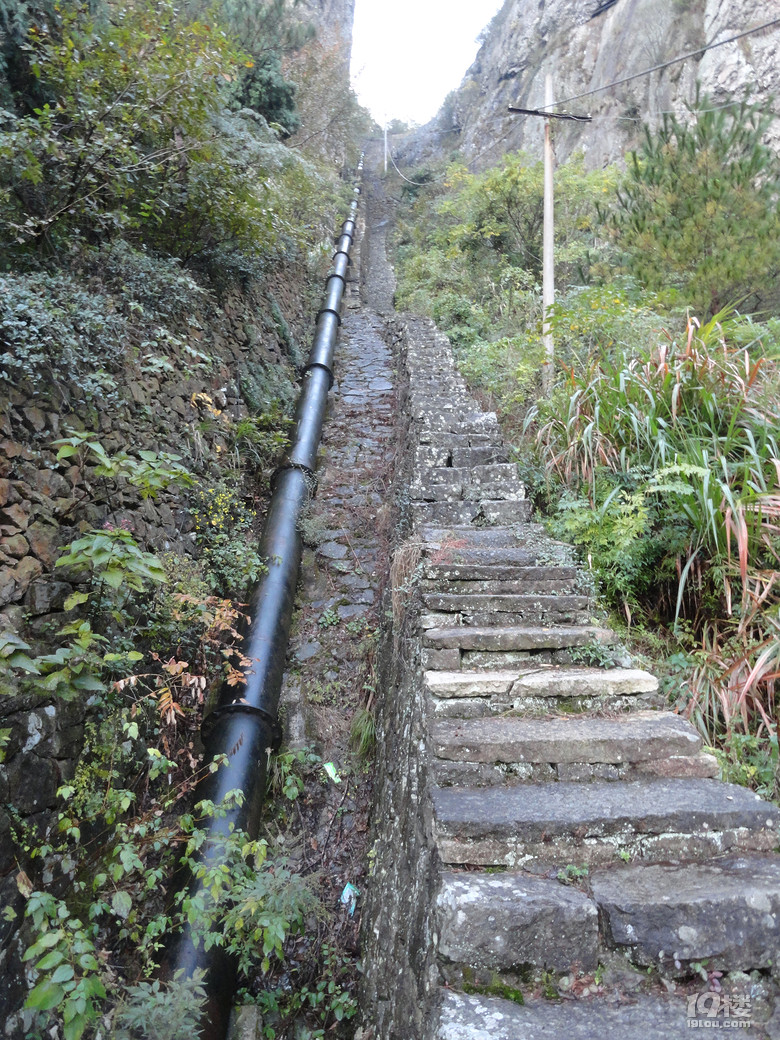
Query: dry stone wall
[{"x": 221, "y": 359}]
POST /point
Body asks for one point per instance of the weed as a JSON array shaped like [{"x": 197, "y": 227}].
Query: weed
[
  {"x": 571, "y": 874},
  {"x": 328, "y": 618},
  {"x": 362, "y": 733}
]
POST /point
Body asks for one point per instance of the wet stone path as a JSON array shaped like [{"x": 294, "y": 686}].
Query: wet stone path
[{"x": 346, "y": 530}]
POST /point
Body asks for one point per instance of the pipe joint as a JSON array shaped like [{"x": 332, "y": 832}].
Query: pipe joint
[
  {"x": 213, "y": 719},
  {"x": 308, "y": 472},
  {"x": 319, "y": 364},
  {"x": 327, "y": 310}
]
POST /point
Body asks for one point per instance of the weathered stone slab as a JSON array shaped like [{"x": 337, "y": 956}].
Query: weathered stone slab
[
  {"x": 639, "y": 737},
  {"x": 485, "y": 661},
  {"x": 459, "y": 707},
  {"x": 502, "y": 921},
  {"x": 477, "y": 455},
  {"x": 435, "y": 620},
  {"x": 490, "y": 1018},
  {"x": 584, "y": 682},
  {"x": 580, "y": 822},
  {"x": 490, "y": 619},
  {"x": 700, "y": 765},
  {"x": 497, "y": 602},
  {"x": 476, "y": 538},
  {"x": 440, "y": 659},
  {"x": 506, "y": 511},
  {"x": 492, "y": 578},
  {"x": 727, "y": 912},
  {"x": 469, "y": 684},
  {"x": 444, "y": 512},
  {"x": 518, "y": 637}
]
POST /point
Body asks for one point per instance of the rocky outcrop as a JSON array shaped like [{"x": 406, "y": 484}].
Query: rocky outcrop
[
  {"x": 333, "y": 20},
  {"x": 585, "y": 45}
]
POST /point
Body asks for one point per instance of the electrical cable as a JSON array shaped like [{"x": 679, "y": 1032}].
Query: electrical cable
[
  {"x": 666, "y": 64},
  {"x": 607, "y": 86}
]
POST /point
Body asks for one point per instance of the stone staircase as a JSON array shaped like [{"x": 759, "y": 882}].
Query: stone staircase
[{"x": 588, "y": 856}]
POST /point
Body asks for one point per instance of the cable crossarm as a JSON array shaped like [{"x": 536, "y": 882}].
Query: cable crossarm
[{"x": 244, "y": 729}]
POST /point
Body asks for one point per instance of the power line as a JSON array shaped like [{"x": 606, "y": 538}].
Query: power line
[
  {"x": 673, "y": 61},
  {"x": 598, "y": 90}
]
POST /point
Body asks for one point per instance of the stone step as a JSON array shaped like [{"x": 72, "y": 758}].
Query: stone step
[
  {"x": 501, "y": 921},
  {"x": 726, "y": 912},
  {"x": 536, "y": 826},
  {"x": 470, "y": 541},
  {"x": 456, "y": 452},
  {"x": 644, "y": 736},
  {"x": 490, "y": 579},
  {"x": 468, "y": 512},
  {"x": 507, "y": 750},
  {"x": 457, "y": 440},
  {"x": 455, "y": 490},
  {"x": 525, "y": 686},
  {"x": 641, "y": 1017},
  {"x": 483, "y": 474},
  {"x": 463, "y": 423},
  {"x": 518, "y": 637},
  {"x": 531, "y": 605}
]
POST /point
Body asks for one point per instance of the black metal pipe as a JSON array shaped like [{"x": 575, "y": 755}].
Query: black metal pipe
[{"x": 244, "y": 726}]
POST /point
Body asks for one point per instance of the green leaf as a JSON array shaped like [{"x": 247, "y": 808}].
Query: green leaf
[
  {"x": 74, "y": 1029},
  {"x": 51, "y": 960},
  {"x": 45, "y": 996},
  {"x": 88, "y": 682},
  {"x": 122, "y": 904},
  {"x": 64, "y": 973},
  {"x": 75, "y": 600},
  {"x": 18, "y": 660}
]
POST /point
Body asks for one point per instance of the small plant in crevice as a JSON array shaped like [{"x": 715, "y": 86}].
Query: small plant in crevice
[
  {"x": 288, "y": 772},
  {"x": 329, "y": 618},
  {"x": 572, "y": 874},
  {"x": 362, "y": 733}
]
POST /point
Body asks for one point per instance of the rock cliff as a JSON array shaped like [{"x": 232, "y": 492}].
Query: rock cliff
[{"x": 585, "y": 44}]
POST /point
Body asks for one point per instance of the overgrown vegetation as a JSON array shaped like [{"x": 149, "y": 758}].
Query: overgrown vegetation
[
  {"x": 657, "y": 453},
  {"x": 147, "y": 190}
]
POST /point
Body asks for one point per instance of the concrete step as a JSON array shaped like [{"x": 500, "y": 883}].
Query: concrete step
[
  {"x": 726, "y": 912},
  {"x": 641, "y": 1017},
  {"x": 501, "y": 750},
  {"x": 529, "y": 688},
  {"x": 463, "y": 422},
  {"x": 544, "y": 825},
  {"x": 501, "y": 921},
  {"x": 518, "y": 637},
  {"x": 455, "y": 489}
]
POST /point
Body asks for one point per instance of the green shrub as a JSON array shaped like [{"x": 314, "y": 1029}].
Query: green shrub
[
  {"x": 125, "y": 139},
  {"x": 698, "y": 207}
]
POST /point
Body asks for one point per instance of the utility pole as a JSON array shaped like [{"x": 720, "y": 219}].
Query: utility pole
[
  {"x": 548, "y": 233},
  {"x": 385, "y": 145},
  {"x": 548, "y": 245}
]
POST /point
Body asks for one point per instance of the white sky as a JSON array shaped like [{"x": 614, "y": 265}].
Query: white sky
[{"x": 407, "y": 55}]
